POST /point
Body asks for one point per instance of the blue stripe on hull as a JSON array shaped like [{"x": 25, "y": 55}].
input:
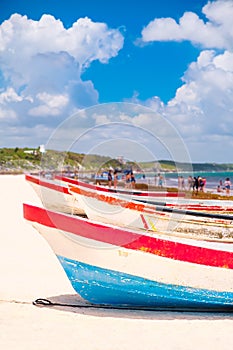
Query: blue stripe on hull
[{"x": 103, "y": 286}]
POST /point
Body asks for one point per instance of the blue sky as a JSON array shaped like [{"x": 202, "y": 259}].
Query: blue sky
[
  {"x": 174, "y": 56},
  {"x": 144, "y": 72}
]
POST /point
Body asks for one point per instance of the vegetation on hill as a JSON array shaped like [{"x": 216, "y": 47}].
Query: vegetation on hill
[
  {"x": 168, "y": 165},
  {"x": 16, "y": 159},
  {"x": 27, "y": 159}
]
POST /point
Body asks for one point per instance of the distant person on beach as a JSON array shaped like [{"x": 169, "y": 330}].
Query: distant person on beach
[
  {"x": 195, "y": 184},
  {"x": 76, "y": 175},
  {"x": 110, "y": 178},
  {"x": 182, "y": 183},
  {"x": 132, "y": 179},
  {"x": 179, "y": 182},
  {"x": 227, "y": 185},
  {"x": 201, "y": 184},
  {"x": 115, "y": 178},
  {"x": 160, "y": 180},
  {"x": 190, "y": 183},
  {"x": 204, "y": 180},
  {"x": 127, "y": 179},
  {"x": 220, "y": 186}
]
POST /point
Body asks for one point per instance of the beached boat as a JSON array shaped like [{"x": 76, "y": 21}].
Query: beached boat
[
  {"x": 54, "y": 195},
  {"x": 115, "y": 266},
  {"x": 114, "y": 209},
  {"x": 133, "y": 193},
  {"x": 162, "y": 198}
]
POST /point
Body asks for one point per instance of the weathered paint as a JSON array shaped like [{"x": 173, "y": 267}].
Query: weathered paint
[
  {"x": 177, "y": 250},
  {"x": 104, "y": 286},
  {"x": 124, "y": 212},
  {"x": 54, "y": 195},
  {"x": 130, "y": 268}
]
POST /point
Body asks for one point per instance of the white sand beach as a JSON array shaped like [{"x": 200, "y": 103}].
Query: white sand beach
[{"x": 29, "y": 270}]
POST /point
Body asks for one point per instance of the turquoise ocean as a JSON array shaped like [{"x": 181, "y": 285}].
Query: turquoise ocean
[{"x": 171, "y": 179}]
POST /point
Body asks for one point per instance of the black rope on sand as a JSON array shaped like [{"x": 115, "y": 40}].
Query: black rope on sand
[{"x": 47, "y": 302}]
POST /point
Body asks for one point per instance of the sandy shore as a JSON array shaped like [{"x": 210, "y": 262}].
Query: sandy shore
[{"x": 29, "y": 270}]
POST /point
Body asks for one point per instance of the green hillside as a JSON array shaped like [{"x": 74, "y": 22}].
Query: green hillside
[
  {"x": 167, "y": 165},
  {"x": 29, "y": 159}
]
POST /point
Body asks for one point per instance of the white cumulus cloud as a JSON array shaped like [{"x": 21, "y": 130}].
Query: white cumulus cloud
[
  {"x": 41, "y": 66},
  {"x": 215, "y": 32},
  {"x": 9, "y": 95},
  {"x": 202, "y": 108}
]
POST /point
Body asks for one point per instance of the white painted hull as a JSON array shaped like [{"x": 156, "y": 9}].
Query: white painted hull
[
  {"x": 55, "y": 197},
  {"x": 110, "y": 265},
  {"x": 115, "y": 210}
]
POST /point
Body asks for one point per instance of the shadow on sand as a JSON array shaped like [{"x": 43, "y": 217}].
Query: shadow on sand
[{"x": 74, "y": 303}]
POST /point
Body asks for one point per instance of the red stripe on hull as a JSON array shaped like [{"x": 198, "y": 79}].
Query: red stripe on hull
[
  {"x": 149, "y": 194},
  {"x": 49, "y": 185},
  {"x": 110, "y": 190},
  {"x": 130, "y": 239},
  {"x": 200, "y": 207}
]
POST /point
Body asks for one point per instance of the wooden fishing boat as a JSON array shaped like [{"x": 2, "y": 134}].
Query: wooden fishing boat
[
  {"x": 54, "y": 195},
  {"x": 162, "y": 198},
  {"x": 115, "y": 266},
  {"x": 133, "y": 193},
  {"x": 113, "y": 209}
]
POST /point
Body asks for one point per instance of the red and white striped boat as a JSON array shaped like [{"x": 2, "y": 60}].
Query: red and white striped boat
[
  {"x": 54, "y": 195},
  {"x": 133, "y": 193},
  {"x": 115, "y": 266},
  {"x": 114, "y": 209},
  {"x": 169, "y": 199}
]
